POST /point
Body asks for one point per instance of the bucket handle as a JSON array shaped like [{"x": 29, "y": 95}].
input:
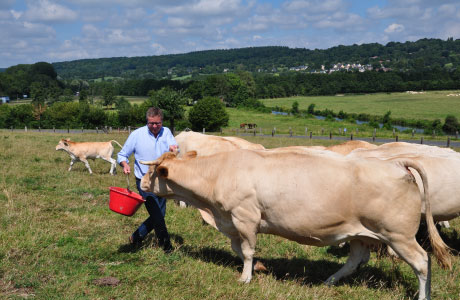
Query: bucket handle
[{"x": 127, "y": 179}]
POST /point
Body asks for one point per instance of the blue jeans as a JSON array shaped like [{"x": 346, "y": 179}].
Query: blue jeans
[{"x": 156, "y": 208}]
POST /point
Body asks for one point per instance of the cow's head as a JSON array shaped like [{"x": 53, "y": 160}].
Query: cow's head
[
  {"x": 157, "y": 178},
  {"x": 63, "y": 144}
]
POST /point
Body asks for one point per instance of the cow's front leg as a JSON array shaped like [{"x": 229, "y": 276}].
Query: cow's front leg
[
  {"x": 246, "y": 224},
  {"x": 87, "y": 165},
  {"x": 359, "y": 254},
  {"x": 71, "y": 164}
]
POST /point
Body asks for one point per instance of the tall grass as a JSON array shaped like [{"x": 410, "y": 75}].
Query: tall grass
[{"x": 58, "y": 239}]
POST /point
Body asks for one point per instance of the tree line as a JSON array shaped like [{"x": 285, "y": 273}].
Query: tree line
[{"x": 424, "y": 54}]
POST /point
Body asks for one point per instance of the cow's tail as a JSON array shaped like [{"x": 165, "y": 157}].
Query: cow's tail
[
  {"x": 117, "y": 143},
  {"x": 440, "y": 249}
]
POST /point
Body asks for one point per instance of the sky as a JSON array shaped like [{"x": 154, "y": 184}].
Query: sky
[{"x": 64, "y": 30}]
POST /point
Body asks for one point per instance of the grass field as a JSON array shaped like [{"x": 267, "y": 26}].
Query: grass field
[
  {"x": 59, "y": 240},
  {"x": 429, "y": 105}
]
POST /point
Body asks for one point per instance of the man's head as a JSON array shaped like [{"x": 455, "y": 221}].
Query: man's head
[{"x": 154, "y": 118}]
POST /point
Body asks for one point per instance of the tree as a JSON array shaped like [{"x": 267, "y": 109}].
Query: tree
[
  {"x": 171, "y": 102},
  {"x": 295, "y": 108},
  {"x": 108, "y": 96},
  {"x": 451, "y": 125},
  {"x": 208, "y": 113},
  {"x": 311, "y": 109}
]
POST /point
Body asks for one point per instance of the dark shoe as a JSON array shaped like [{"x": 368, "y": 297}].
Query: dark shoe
[
  {"x": 167, "y": 247},
  {"x": 134, "y": 242}
]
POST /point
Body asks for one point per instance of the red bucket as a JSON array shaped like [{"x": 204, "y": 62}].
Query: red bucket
[{"x": 124, "y": 201}]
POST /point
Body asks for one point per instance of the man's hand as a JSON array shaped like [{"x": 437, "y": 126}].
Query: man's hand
[
  {"x": 126, "y": 168},
  {"x": 173, "y": 148}
]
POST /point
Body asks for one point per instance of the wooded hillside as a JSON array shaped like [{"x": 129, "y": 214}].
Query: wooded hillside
[{"x": 408, "y": 56}]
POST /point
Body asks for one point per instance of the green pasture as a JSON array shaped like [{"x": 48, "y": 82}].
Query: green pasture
[
  {"x": 59, "y": 240},
  {"x": 429, "y": 105}
]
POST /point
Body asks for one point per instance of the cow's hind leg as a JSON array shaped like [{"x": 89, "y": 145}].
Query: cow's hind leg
[
  {"x": 71, "y": 164},
  {"x": 418, "y": 259},
  {"x": 359, "y": 254}
]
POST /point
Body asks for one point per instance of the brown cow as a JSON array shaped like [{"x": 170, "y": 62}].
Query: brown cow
[{"x": 82, "y": 151}]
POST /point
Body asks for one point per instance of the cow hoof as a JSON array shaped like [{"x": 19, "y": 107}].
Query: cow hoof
[{"x": 244, "y": 279}]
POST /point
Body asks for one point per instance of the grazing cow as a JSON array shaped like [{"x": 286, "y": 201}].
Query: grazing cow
[
  {"x": 442, "y": 166},
  {"x": 81, "y": 151},
  {"x": 243, "y": 126},
  {"x": 318, "y": 199}
]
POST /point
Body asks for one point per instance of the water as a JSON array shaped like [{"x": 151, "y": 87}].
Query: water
[{"x": 398, "y": 127}]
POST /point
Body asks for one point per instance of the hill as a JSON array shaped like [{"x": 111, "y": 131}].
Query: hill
[{"x": 420, "y": 55}]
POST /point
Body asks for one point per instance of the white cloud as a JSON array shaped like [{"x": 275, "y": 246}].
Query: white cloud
[
  {"x": 47, "y": 11},
  {"x": 394, "y": 28}
]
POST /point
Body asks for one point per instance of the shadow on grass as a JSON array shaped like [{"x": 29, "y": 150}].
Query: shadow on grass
[{"x": 309, "y": 272}]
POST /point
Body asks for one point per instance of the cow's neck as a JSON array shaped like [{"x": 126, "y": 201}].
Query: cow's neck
[{"x": 198, "y": 175}]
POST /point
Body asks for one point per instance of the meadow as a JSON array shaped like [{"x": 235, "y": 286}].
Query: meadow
[
  {"x": 59, "y": 240},
  {"x": 428, "y": 105}
]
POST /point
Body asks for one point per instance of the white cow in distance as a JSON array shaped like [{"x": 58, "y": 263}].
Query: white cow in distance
[
  {"x": 315, "y": 199},
  {"x": 82, "y": 151}
]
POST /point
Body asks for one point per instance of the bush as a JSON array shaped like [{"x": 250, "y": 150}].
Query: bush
[{"x": 208, "y": 113}]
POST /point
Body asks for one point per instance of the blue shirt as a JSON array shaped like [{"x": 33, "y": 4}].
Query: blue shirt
[{"x": 145, "y": 147}]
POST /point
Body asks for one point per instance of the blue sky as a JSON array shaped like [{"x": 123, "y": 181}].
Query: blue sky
[{"x": 64, "y": 30}]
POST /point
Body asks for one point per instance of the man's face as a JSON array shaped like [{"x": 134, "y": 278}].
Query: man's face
[{"x": 154, "y": 124}]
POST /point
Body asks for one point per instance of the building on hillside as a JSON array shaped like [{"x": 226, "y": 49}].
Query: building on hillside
[{"x": 5, "y": 99}]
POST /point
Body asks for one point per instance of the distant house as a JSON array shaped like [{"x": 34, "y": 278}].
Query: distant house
[{"x": 5, "y": 99}]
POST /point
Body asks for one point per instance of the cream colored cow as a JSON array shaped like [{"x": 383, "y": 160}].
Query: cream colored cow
[
  {"x": 82, "y": 151},
  {"x": 315, "y": 199},
  {"x": 442, "y": 166}
]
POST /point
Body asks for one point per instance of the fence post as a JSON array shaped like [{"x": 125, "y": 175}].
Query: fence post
[
  {"x": 396, "y": 138},
  {"x": 421, "y": 140},
  {"x": 273, "y": 132},
  {"x": 221, "y": 130},
  {"x": 237, "y": 131},
  {"x": 118, "y": 129},
  {"x": 39, "y": 129},
  {"x": 254, "y": 132},
  {"x": 330, "y": 135},
  {"x": 25, "y": 128},
  {"x": 373, "y": 135},
  {"x": 456, "y": 135},
  {"x": 393, "y": 132},
  {"x": 351, "y": 137},
  {"x": 306, "y": 131},
  {"x": 110, "y": 129},
  {"x": 290, "y": 132},
  {"x": 434, "y": 133},
  {"x": 129, "y": 129},
  {"x": 11, "y": 128},
  {"x": 97, "y": 130},
  {"x": 82, "y": 129},
  {"x": 322, "y": 131},
  {"x": 413, "y": 131},
  {"x": 311, "y": 135},
  {"x": 204, "y": 130},
  {"x": 448, "y": 141}
]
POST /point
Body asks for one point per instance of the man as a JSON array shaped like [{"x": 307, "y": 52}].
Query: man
[{"x": 149, "y": 143}]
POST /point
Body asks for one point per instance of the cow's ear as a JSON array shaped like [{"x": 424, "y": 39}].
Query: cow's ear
[
  {"x": 162, "y": 171},
  {"x": 65, "y": 143},
  {"x": 190, "y": 154}
]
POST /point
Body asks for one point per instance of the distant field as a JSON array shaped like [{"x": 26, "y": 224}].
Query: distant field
[{"x": 430, "y": 105}]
